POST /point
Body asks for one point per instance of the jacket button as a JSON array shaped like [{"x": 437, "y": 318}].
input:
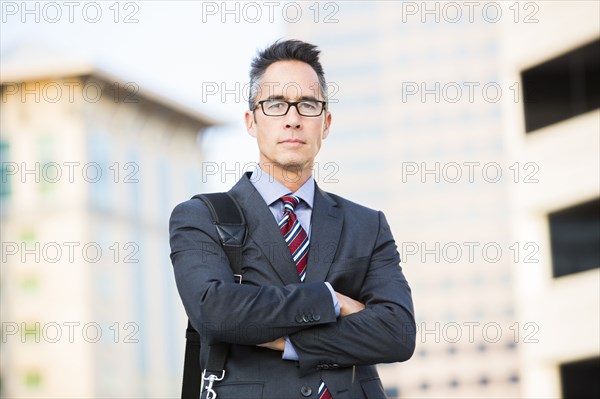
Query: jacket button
[
  {"x": 306, "y": 391},
  {"x": 305, "y": 318},
  {"x": 299, "y": 319},
  {"x": 317, "y": 317}
]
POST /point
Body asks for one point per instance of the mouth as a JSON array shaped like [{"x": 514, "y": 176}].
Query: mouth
[{"x": 292, "y": 141}]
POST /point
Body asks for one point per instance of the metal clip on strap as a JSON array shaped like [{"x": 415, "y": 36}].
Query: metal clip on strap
[{"x": 211, "y": 394}]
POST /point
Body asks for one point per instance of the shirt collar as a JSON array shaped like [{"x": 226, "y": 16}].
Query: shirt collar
[{"x": 271, "y": 190}]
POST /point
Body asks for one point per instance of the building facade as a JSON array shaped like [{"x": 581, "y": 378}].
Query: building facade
[
  {"x": 91, "y": 168},
  {"x": 428, "y": 126},
  {"x": 556, "y": 129}
]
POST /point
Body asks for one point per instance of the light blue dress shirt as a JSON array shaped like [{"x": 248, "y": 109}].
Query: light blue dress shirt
[{"x": 271, "y": 191}]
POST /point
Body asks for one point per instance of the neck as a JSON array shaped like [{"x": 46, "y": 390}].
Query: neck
[{"x": 291, "y": 178}]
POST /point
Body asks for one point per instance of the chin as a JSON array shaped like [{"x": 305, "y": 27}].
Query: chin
[{"x": 292, "y": 165}]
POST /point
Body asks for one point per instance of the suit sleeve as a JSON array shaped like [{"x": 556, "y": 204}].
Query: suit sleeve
[
  {"x": 223, "y": 311},
  {"x": 384, "y": 332}
]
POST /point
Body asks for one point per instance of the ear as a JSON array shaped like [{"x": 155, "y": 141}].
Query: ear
[
  {"x": 250, "y": 122},
  {"x": 326, "y": 125}
]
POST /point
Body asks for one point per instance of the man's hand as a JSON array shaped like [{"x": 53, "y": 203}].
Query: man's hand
[
  {"x": 348, "y": 305},
  {"x": 277, "y": 345}
]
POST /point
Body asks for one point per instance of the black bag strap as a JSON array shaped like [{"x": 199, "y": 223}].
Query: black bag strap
[
  {"x": 230, "y": 223},
  {"x": 192, "y": 375}
]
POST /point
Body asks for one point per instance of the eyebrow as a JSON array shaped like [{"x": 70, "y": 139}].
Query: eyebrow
[{"x": 303, "y": 98}]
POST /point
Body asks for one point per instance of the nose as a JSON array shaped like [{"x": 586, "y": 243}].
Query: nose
[{"x": 293, "y": 120}]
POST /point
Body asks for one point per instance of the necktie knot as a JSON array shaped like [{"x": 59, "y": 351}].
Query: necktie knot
[{"x": 290, "y": 202}]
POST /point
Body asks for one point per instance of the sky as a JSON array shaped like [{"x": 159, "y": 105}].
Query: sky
[{"x": 190, "y": 51}]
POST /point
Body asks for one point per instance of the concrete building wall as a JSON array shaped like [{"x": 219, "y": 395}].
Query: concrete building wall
[
  {"x": 427, "y": 111},
  {"x": 566, "y": 309},
  {"x": 106, "y": 171}
]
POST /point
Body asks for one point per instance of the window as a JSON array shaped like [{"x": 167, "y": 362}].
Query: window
[
  {"x": 49, "y": 171},
  {"x": 98, "y": 152},
  {"x": 32, "y": 379},
  {"x": 580, "y": 379},
  {"x": 575, "y": 238},
  {"x": 5, "y": 182},
  {"x": 563, "y": 87},
  {"x": 392, "y": 392}
]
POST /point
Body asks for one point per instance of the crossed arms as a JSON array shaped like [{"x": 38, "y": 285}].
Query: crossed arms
[{"x": 376, "y": 327}]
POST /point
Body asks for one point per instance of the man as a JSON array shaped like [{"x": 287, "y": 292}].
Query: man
[{"x": 323, "y": 298}]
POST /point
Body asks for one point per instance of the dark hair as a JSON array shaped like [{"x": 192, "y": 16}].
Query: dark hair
[{"x": 282, "y": 51}]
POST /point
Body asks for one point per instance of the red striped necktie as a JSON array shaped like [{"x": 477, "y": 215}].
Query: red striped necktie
[
  {"x": 294, "y": 235},
  {"x": 298, "y": 243}
]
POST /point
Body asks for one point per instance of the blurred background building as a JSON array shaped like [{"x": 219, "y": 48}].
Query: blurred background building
[
  {"x": 482, "y": 127},
  {"x": 88, "y": 178},
  {"x": 473, "y": 125},
  {"x": 557, "y": 128}
]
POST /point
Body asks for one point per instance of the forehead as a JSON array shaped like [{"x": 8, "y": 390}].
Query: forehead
[{"x": 290, "y": 79}]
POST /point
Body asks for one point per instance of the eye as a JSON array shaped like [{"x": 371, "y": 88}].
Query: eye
[
  {"x": 275, "y": 105},
  {"x": 308, "y": 105}
]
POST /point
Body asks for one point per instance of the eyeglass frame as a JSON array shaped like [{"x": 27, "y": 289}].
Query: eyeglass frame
[{"x": 291, "y": 104}]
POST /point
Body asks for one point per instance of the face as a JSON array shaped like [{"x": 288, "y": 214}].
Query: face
[{"x": 292, "y": 141}]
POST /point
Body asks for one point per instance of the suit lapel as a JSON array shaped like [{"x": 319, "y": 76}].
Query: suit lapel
[
  {"x": 264, "y": 232},
  {"x": 326, "y": 227}
]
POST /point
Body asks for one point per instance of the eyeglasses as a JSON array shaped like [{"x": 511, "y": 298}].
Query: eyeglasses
[{"x": 279, "y": 107}]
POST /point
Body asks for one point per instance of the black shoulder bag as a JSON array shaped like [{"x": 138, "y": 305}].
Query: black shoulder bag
[{"x": 229, "y": 221}]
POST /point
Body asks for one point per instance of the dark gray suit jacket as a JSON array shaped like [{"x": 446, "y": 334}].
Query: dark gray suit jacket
[{"x": 351, "y": 247}]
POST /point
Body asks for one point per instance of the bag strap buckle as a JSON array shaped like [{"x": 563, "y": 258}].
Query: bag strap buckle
[{"x": 211, "y": 394}]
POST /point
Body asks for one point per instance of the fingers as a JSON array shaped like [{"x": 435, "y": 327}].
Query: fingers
[
  {"x": 277, "y": 345},
  {"x": 348, "y": 305}
]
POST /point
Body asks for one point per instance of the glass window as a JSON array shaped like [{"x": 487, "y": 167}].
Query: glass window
[
  {"x": 392, "y": 392},
  {"x": 575, "y": 238},
  {"x": 4, "y": 162},
  {"x": 563, "y": 87},
  {"x": 580, "y": 379}
]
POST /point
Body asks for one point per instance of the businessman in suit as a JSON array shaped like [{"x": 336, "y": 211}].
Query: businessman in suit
[{"x": 323, "y": 297}]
